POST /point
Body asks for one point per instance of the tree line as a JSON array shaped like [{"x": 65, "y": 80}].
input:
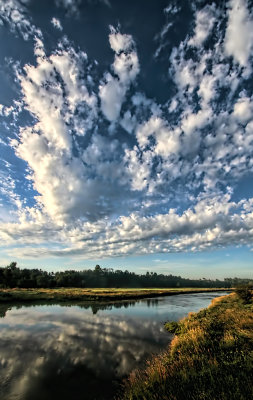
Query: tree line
[{"x": 11, "y": 276}]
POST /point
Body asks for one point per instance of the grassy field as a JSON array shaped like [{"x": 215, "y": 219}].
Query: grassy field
[
  {"x": 210, "y": 357},
  {"x": 79, "y": 294}
]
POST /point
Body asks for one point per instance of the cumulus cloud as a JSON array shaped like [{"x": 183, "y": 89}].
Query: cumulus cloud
[
  {"x": 141, "y": 159},
  {"x": 243, "y": 110},
  {"x": 239, "y": 32},
  {"x": 205, "y": 19},
  {"x": 56, "y": 23},
  {"x": 53, "y": 92},
  {"x": 71, "y": 181},
  {"x": 113, "y": 89},
  {"x": 211, "y": 223},
  {"x": 109, "y": 166},
  {"x": 120, "y": 42}
]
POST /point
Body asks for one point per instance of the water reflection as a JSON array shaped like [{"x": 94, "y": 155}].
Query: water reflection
[{"x": 81, "y": 351}]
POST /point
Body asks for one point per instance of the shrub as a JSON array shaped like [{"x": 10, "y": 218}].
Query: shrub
[
  {"x": 172, "y": 327},
  {"x": 244, "y": 292}
]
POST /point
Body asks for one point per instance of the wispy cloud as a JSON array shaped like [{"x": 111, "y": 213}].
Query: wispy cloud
[{"x": 14, "y": 13}]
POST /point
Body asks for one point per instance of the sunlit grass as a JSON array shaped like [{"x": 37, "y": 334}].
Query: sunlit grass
[
  {"x": 210, "y": 358},
  {"x": 62, "y": 294}
]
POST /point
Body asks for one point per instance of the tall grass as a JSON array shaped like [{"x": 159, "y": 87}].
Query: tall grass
[
  {"x": 210, "y": 358},
  {"x": 68, "y": 294}
]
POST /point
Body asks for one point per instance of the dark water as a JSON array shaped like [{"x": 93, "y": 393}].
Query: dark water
[{"x": 82, "y": 351}]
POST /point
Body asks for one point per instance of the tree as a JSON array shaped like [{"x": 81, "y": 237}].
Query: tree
[{"x": 98, "y": 269}]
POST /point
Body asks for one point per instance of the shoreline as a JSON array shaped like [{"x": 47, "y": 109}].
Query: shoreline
[
  {"x": 210, "y": 357},
  {"x": 92, "y": 295}
]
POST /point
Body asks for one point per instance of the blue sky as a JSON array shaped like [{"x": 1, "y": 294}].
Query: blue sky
[{"x": 126, "y": 135}]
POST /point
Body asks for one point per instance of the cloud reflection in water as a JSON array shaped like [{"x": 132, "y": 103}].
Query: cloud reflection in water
[{"x": 50, "y": 352}]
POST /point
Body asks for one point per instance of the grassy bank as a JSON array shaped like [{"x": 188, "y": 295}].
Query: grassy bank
[
  {"x": 79, "y": 294},
  {"x": 210, "y": 358}
]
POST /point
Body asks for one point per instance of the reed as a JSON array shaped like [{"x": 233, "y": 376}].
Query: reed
[
  {"x": 210, "y": 357},
  {"x": 91, "y": 294}
]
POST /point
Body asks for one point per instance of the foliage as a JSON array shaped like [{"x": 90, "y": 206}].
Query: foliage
[
  {"x": 245, "y": 292},
  {"x": 172, "y": 327},
  {"x": 12, "y": 276},
  {"x": 211, "y": 357}
]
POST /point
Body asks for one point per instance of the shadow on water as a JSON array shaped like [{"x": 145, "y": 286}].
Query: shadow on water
[{"x": 82, "y": 350}]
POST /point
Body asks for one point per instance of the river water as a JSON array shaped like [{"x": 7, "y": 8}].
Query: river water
[{"x": 82, "y": 352}]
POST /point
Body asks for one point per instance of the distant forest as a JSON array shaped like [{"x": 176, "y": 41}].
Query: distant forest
[{"x": 12, "y": 276}]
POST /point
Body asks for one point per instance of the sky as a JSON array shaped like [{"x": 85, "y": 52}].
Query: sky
[{"x": 126, "y": 135}]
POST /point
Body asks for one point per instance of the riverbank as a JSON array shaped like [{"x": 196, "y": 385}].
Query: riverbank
[
  {"x": 211, "y": 357},
  {"x": 93, "y": 294}
]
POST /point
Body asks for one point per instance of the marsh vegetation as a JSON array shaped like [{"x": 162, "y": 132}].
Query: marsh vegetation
[
  {"x": 94, "y": 294},
  {"x": 210, "y": 357}
]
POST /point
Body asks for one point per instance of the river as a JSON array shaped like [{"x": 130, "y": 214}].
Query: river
[{"x": 82, "y": 352}]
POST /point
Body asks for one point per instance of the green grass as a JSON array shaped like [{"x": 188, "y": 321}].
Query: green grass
[
  {"x": 210, "y": 357},
  {"x": 79, "y": 294}
]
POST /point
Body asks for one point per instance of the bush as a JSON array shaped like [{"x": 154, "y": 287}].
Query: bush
[
  {"x": 172, "y": 327},
  {"x": 244, "y": 292},
  {"x": 209, "y": 359}
]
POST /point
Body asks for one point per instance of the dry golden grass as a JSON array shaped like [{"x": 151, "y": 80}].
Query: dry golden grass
[
  {"x": 63, "y": 294},
  {"x": 210, "y": 358}
]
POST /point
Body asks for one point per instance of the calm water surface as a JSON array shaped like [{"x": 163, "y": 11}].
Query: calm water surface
[{"x": 83, "y": 351}]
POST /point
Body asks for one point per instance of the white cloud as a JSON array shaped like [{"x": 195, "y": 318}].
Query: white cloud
[
  {"x": 113, "y": 89},
  {"x": 163, "y": 37},
  {"x": 205, "y": 19},
  {"x": 112, "y": 94},
  {"x": 167, "y": 140},
  {"x": 120, "y": 42},
  {"x": 128, "y": 122},
  {"x": 184, "y": 70},
  {"x": 47, "y": 146},
  {"x": 192, "y": 122},
  {"x": 138, "y": 168},
  {"x": 210, "y": 223},
  {"x": 15, "y": 14},
  {"x": 239, "y": 33},
  {"x": 207, "y": 88},
  {"x": 126, "y": 67},
  {"x": 243, "y": 110},
  {"x": 8, "y": 192},
  {"x": 95, "y": 183},
  {"x": 56, "y": 23},
  {"x": 72, "y": 182}
]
